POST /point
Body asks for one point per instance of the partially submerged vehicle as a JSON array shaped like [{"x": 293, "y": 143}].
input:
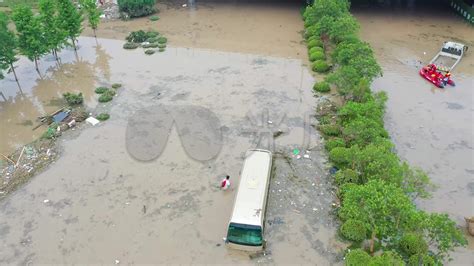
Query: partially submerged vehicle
[
  {"x": 449, "y": 56},
  {"x": 246, "y": 225}
]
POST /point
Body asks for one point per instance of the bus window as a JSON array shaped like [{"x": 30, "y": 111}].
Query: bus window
[{"x": 249, "y": 235}]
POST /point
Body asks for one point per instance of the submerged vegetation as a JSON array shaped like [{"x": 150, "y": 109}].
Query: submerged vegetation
[
  {"x": 376, "y": 188},
  {"x": 147, "y": 40}
]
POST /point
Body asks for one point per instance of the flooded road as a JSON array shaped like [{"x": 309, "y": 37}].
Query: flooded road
[
  {"x": 432, "y": 128},
  {"x": 97, "y": 204}
]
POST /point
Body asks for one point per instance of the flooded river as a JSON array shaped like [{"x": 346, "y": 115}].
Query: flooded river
[
  {"x": 432, "y": 128},
  {"x": 97, "y": 204}
]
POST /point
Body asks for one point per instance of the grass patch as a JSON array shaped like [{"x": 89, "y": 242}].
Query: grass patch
[
  {"x": 101, "y": 90},
  {"x": 154, "y": 18},
  {"x": 103, "y": 116}
]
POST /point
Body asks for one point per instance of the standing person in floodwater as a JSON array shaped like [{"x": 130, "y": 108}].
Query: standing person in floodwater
[{"x": 225, "y": 183}]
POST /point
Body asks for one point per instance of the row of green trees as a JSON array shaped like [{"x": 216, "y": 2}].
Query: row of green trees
[
  {"x": 57, "y": 24},
  {"x": 376, "y": 188}
]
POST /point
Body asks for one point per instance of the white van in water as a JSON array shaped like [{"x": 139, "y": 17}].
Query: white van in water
[{"x": 246, "y": 225}]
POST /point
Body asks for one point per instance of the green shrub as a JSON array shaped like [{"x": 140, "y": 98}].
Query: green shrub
[
  {"x": 316, "y": 49},
  {"x": 152, "y": 40},
  {"x": 137, "y": 36},
  {"x": 162, "y": 45},
  {"x": 412, "y": 244},
  {"x": 116, "y": 85},
  {"x": 162, "y": 39},
  {"x": 314, "y": 43},
  {"x": 354, "y": 230},
  {"x": 137, "y": 8},
  {"x": 338, "y": 156},
  {"x": 107, "y": 96},
  {"x": 330, "y": 130},
  {"x": 317, "y": 55},
  {"x": 101, "y": 90},
  {"x": 357, "y": 257},
  {"x": 347, "y": 176},
  {"x": 154, "y": 18},
  {"x": 149, "y": 51},
  {"x": 151, "y": 45},
  {"x": 316, "y": 40},
  {"x": 421, "y": 260},
  {"x": 333, "y": 143},
  {"x": 103, "y": 116},
  {"x": 151, "y": 34},
  {"x": 73, "y": 99},
  {"x": 324, "y": 120},
  {"x": 387, "y": 258},
  {"x": 320, "y": 66},
  {"x": 322, "y": 86},
  {"x": 130, "y": 45},
  {"x": 161, "y": 49}
]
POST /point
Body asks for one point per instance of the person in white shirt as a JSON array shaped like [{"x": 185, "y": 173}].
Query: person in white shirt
[{"x": 225, "y": 183}]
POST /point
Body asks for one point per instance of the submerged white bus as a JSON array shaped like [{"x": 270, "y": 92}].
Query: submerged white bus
[{"x": 246, "y": 226}]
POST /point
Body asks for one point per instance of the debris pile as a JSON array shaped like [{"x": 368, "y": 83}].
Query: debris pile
[{"x": 25, "y": 162}]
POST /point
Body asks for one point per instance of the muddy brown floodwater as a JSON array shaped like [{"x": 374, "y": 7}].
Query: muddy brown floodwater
[
  {"x": 97, "y": 204},
  {"x": 432, "y": 128}
]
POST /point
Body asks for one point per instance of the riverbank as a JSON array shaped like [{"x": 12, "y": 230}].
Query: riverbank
[{"x": 360, "y": 149}]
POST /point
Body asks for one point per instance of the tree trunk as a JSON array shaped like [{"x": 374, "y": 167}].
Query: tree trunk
[
  {"x": 74, "y": 44},
  {"x": 3, "y": 96},
  {"x": 36, "y": 64},
  {"x": 95, "y": 35},
  {"x": 16, "y": 77},
  {"x": 372, "y": 243}
]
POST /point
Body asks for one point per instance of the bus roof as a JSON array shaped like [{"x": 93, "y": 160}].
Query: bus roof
[{"x": 250, "y": 199}]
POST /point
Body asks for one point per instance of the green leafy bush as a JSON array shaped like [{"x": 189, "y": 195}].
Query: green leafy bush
[
  {"x": 137, "y": 36},
  {"x": 354, "y": 230},
  {"x": 151, "y": 45},
  {"x": 421, "y": 260},
  {"x": 162, "y": 45},
  {"x": 387, "y": 258},
  {"x": 101, "y": 90},
  {"x": 346, "y": 176},
  {"x": 152, "y": 34},
  {"x": 103, "y": 116},
  {"x": 321, "y": 86},
  {"x": 357, "y": 257},
  {"x": 107, "y": 96},
  {"x": 130, "y": 45},
  {"x": 73, "y": 99},
  {"x": 316, "y": 49},
  {"x": 412, "y": 244},
  {"x": 161, "y": 49},
  {"x": 137, "y": 8},
  {"x": 320, "y": 66},
  {"x": 330, "y": 130},
  {"x": 162, "y": 39},
  {"x": 317, "y": 55},
  {"x": 152, "y": 40},
  {"x": 333, "y": 143},
  {"x": 149, "y": 51},
  {"x": 314, "y": 43}
]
